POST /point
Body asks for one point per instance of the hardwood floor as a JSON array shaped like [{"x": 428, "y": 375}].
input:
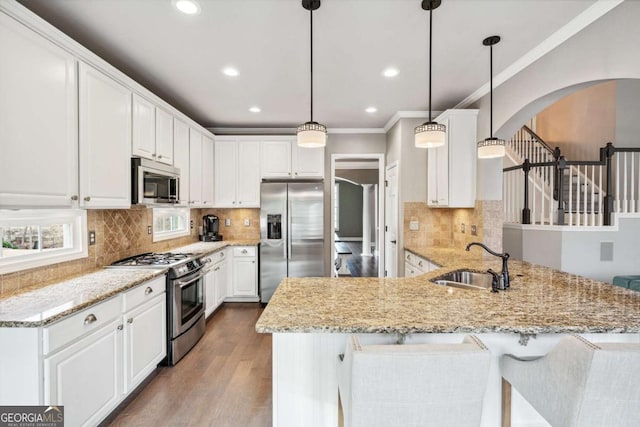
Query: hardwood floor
[
  {"x": 224, "y": 381},
  {"x": 358, "y": 265}
]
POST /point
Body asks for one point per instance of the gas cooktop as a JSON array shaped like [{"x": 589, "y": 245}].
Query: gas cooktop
[{"x": 153, "y": 259}]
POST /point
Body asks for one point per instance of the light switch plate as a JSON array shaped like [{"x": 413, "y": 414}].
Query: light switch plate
[
  {"x": 474, "y": 230},
  {"x": 462, "y": 228},
  {"x": 414, "y": 225},
  {"x": 227, "y": 222},
  {"x": 247, "y": 222}
]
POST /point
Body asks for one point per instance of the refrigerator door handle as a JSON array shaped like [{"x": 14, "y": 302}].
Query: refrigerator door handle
[{"x": 288, "y": 242}]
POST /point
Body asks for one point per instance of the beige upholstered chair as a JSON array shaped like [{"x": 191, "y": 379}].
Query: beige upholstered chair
[
  {"x": 579, "y": 383},
  {"x": 413, "y": 384}
]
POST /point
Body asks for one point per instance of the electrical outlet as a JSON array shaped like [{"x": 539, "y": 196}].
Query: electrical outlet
[
  {"x": 149, "y": 229},
  {"x": 247, "y": 222},
  {"x": 227, "y": 222},
  {"x": 191, "y": 224},
  {"x": 92, "y": 238},
  {"x": 462, "y": 228},
  {"x": 474, "y": 230},
  {"x": 414, "y": 225}
]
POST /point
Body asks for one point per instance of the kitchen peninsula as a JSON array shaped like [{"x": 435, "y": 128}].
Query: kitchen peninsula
[{"x": 310, "y": 319}]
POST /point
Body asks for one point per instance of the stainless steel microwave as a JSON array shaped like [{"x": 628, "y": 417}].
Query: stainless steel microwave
[{"x": 154, "y": 183}]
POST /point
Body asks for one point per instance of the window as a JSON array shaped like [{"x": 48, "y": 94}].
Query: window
[
  {"x": 169, "y": 223},
  {"x": 33, "y": 238},
  {"x": 336, "y": 207}
]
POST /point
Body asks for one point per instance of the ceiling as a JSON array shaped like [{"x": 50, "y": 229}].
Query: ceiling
[{"x": 180, "y": 57}]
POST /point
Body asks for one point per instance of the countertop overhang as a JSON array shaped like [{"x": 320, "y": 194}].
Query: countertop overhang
[{"x": 540, "y": 300}]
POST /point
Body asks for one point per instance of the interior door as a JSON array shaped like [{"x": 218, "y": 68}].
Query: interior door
[
  {"x": 391, "y": 221},
  {"x": 306, "y": 229}
]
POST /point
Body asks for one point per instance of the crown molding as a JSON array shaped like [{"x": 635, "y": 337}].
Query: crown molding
[
  {"x": 289, "y": 131},
  {"x": 577, "y": 24},
  {"x": 408, "y": 115}
]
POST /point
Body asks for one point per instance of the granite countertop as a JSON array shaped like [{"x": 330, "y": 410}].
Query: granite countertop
[
  {"x": 51, "y": 303},
  {"x": 46, "y": 305},
  {"x": 540, "y": 300}
]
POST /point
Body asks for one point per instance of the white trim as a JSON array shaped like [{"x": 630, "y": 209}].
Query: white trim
[
  {"x": 577, "y": 24},
  {"x": 355, "y": 130},
  {"x": 79, "y": 248},
  {"x": 358, "y": 165},
  {"x": 408, "y": 115},
  {"x": 289, "y": 131},
  {"x": 160, "y": 236},
  {"x": 348, "y": 239}
]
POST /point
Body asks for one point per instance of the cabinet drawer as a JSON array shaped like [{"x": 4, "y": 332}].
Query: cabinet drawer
[
  {"x": 217, "y": 256},
  {"x": 244, "y": 251},
  {"x": 143, "y": 293},
  {"x": 71, "y": 328}
]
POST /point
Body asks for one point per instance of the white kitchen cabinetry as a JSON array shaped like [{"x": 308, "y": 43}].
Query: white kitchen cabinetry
[
  {"x": 237, "y": 173},
  {"x": 200, "y": 170},
  {"x": 415, "y": 265},
  {"x": 164, "y": 136},
  {"x": 181, "y": 158},
  {"x": 89, "y": 361},
  {"x": 282, "y": 158},
  {"x": 105, "y": 141},
  {"x": 144, "y": 128},
  {"x": 216, "y": 281},
  {"x": 244, "y": 280},
  {"x": 451, "y": 169},
  {"x": 145, "y": 338},
  {"x": 38, "y": 120}
]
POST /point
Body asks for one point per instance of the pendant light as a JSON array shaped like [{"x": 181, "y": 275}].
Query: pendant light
[
  {"x": 430, "y": 134},
  {"x": 311, "y": 134},
  {"x": 491, "y": 147}
]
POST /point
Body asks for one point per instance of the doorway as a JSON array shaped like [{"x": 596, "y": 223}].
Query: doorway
[{"x": 357, "y": 215}]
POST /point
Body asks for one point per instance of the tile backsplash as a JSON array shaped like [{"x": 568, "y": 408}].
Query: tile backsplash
[
  {"x": 442, "y": 227},
  {"x": 121, "y": 233}
]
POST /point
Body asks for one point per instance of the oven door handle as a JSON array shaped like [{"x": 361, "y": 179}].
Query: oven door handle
[{"x": 182, "y": 283}]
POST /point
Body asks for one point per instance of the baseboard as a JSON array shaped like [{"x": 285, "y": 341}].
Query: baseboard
[{"x": 348, "y": 239}]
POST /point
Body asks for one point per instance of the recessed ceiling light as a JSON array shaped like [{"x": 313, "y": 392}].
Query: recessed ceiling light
[
  {"x": 231, "y": 72},
  {"x": 390, "y": 72},
  {"x": 371, "y": 110},
  {"x": 190, "y": 7},
  {"x": 255, "y": 109}
]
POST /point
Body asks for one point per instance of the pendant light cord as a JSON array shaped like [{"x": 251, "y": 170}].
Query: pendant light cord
[
  {"x": 311, "y": 43},
  {"x": 491, "y": 91},
  {"x": 430, "y": 38}
]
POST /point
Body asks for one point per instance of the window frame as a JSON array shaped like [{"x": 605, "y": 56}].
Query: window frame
[
  {"x": 159, "y": 236},
  {"x": 76, "y": 218}
]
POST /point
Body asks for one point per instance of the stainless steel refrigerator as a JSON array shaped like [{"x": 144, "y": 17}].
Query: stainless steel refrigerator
[{"x": 291, "y": 232}]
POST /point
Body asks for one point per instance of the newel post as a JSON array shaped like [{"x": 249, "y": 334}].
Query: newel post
[
  {"x": 561, "y": 165},
  {"x": 526, "y": 212},
  {"x": 608, "y": 151}
]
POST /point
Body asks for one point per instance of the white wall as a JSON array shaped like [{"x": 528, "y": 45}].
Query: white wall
[{"x": 627, "y": 112}]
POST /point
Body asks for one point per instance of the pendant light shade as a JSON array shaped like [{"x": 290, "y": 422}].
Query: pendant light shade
[
  {"x": 491, "y": 148},
  {"x": 430, "y": 134},
  {"x": 311, "y": 134}
]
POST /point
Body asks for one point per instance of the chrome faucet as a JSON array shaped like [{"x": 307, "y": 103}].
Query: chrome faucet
[{"x": 504, "y": 274}]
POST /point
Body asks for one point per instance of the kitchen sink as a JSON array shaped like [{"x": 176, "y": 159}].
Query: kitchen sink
[{"x": 465, "y": 279}]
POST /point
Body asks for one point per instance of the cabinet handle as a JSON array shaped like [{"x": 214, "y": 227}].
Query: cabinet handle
[
  {"x": 221, "y": 254},
  {"x": 86, "y": 199},
  {"x": 289, "y": 174},
  {"x": 216, "y": 269},
  {"x": 253, "y": 262},
  {"x": 244, "y": 251},
  {"x": 153, "y": 155},
  {"x": 234, "y": 202},
  {"x": 296, "y": 173},
  {"x": 207, "y": 260},
  {"x": 130, "y": 320},
  {"x": 419, "y": 263},
  {"x": 120, "y": 327},
  {"x": 204, "y": 202},
  {"x": 239, "y": 203},
  {"x": 74, "y": 197},
  {"x": 148, "y": 290},
  {"x": 159, "y": 156},
  {"x": 90, "y": 319}
]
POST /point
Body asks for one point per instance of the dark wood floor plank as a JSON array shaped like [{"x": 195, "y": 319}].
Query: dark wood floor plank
[{"x": 224, "y": 381}]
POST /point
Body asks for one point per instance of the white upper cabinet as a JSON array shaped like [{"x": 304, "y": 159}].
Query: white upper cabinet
[
  {"x": 38, "y": 120},
  {"x": 451, "y": 169},
  {"x": 207, "y": 171},
  {"x": 181, "y": 158},
  {"x": 144, "y": 128},
  {"x": 200, "y": 170},
  {"x": 105, "y": 141},
  {"x": 164, "y": 136},
  {"x": 282, "y": 158},
  {"x": 237, "y": 172}
]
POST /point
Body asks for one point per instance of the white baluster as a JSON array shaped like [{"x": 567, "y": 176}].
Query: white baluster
[
  {"x": 570, "y": 202},
  {"x": 632, "y": 195},
  {"x": 593, "y": 194},
  {"x": 578, "y": 196},
  {"x": 586, "y": 188},
  {"x": 600, "y": 198},
  {"x": 617, "y": 193},
  {"x": 625, "y": 177}
]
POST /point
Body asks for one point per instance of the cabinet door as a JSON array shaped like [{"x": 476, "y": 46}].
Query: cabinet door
[
  {"x": 307, "y": 162},
  {"x": 145, "y": 341},
  {"x": 438, "y": 174},
  {"x": 248, "y": 174},
  {"x": 38, "y": 120},
  {"x": 86, "y": 377},
  {"x": 222, "y": 279},
  {"x": 207, "y": 172},
  {"x": 195, "y": 168},
  {"x": 210, "y": 292},
  {"x": 226, "y": 171},
  {"x": 181, "y": 158},
  {"x": 164, "y": 136},
  {"x": 276, "y": 159},
  {"x": 245, "y": 283},
  {"x": 144, "y": 128},
  {"x": 105, "y": 141}
]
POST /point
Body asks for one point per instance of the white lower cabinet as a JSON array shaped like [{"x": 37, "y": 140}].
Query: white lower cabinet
[
  {"x": 90, "y": 361},
  {"x": 244, "y": 282},
  {"x": 415, "y": 265},
  {"x": 215, "y": 281}
]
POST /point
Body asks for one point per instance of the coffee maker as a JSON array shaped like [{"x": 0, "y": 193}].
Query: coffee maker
[{"x": 210, "y": 224}]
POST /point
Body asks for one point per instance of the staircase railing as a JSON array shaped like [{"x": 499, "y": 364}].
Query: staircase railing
[{"x": 549, "y": 189}]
